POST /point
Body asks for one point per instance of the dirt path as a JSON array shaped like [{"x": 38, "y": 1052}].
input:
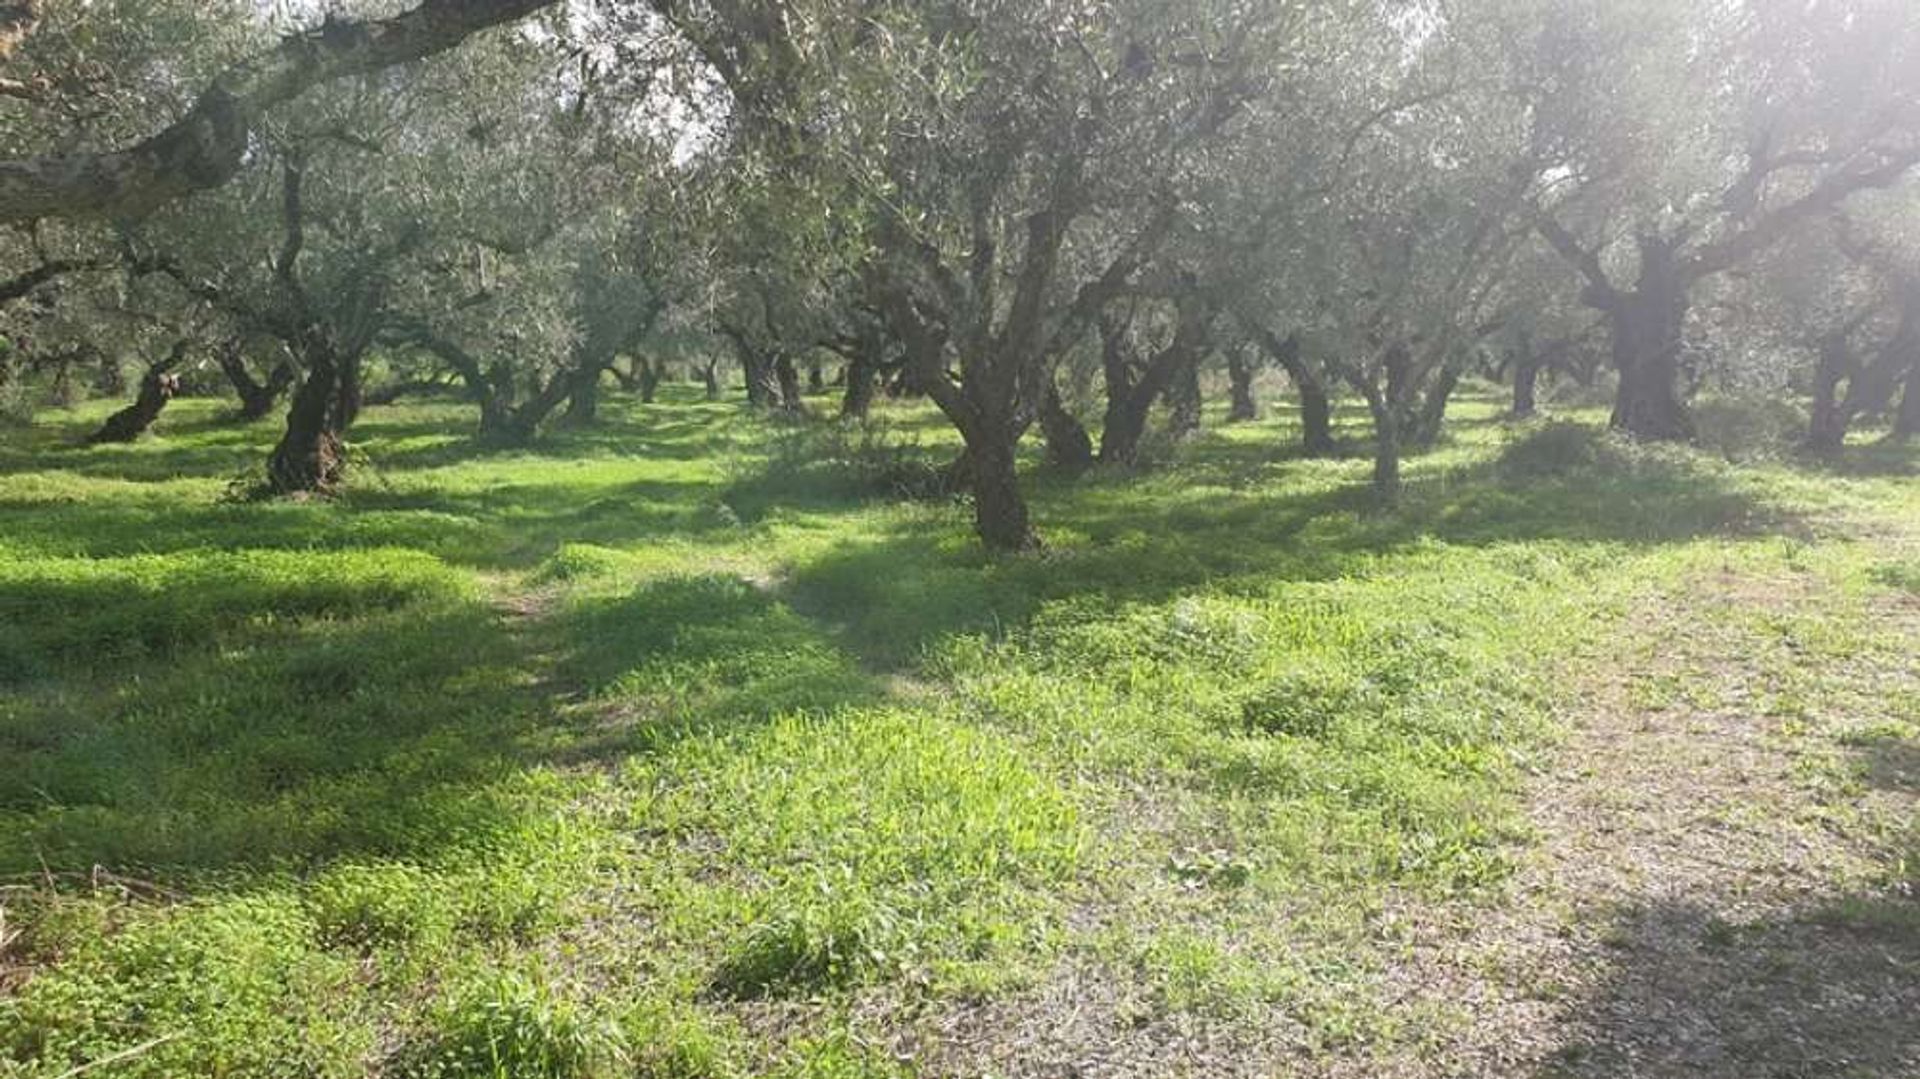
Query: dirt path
[{"x": 1711, "y": 893}]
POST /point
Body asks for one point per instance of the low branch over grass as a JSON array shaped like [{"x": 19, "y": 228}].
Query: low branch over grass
[{"x": 204, "y": 148}]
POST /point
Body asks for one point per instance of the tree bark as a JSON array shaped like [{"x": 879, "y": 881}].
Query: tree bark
[
  {"x": 862, "y": 375},
  {"x": 1526, "y": 382},
  {"x": 157, "y": 387},
  {"x": 1123, "y": 424},
  {"x": 1183, "y": 394},
  {"x": 1316, "y": 419},
  {"x": 787, "y": 377},
  {"x": 762, "y": 378},
  {"x": 311, "y": 456},
  {"x": 350, "y": 393},
  {"x": 1316, "y": 403},
  {"x": 1130, "y": 400},
  {"x": 1241, "y": 371},
  {"x": 1827, "y": 432},
  {"x": 1069, "y": 446},
  {"x": 1906, "y": 422},
  {"x": 1648, "y": 327},
  {"x": 651, "y": 374},
  {"x": 64, "y": 395},
  {"x": 710, "y": 376},
  {"x": 999, "y": 512},
  {"x": 583, "y": 397},
  {"x": 1386, "y": 451},
  {"x": 111, "y": 381},
  {"x": 1427, "y": 422},
  {"x": 257, "y": 398},
  {"x": 863, "y": 382}
]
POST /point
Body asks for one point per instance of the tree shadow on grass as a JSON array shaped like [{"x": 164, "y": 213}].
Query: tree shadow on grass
[
  {"x": 1127, "y": 539},
  {"x": 397, "y": 733},
  {"x": 1878, "y": 459},
  {"x": 1890, "y": 763},
  {"x": 685, "y": 656},
  {"x": 1691, "y": 992}
]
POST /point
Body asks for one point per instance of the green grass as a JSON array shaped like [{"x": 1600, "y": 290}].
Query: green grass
[{"x": 584, "y": 760}]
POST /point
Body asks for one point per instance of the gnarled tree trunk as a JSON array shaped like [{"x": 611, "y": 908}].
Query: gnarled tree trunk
[
  {"x": 1423, "y": 430},
  {"x": 311, "y": 455},
  {"x": 762, "y": 379},
  {"x": 1130, "y": 400},
  {"x": 999, "y": 511},
  {"x": 583, "y": 397},
  {"x": 257, "y": 398},
  {"x": 157, "y": 387},
  {"x": 1316, "y": 403},
  {"x": 1649, "y": 343}
]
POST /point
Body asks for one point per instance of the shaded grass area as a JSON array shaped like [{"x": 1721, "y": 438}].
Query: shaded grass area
[{"x": 681, "y": 747}]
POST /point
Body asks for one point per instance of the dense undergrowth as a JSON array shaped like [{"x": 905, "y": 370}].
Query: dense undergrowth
[{"x": 683, "y": 747}]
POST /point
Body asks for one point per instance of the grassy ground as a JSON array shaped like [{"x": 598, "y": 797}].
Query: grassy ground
[{"x": 673, "y": 749}]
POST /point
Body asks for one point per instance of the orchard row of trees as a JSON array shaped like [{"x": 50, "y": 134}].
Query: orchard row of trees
[{"x": 995, "y": 204}]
